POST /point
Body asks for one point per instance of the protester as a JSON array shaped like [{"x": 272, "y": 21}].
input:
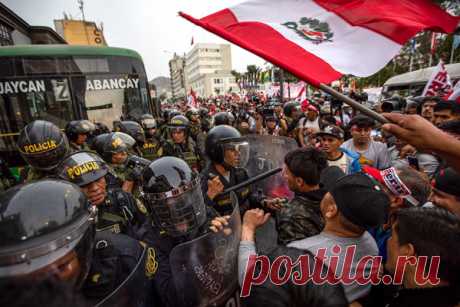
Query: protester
[
  {"x": 446, "y": 190},
  {"x": 354, "y": 204},
  {"x": 445, "y": 111},
  {"x": 331, "y": 138},
  {"x": 427, "y": 105},
  {"x": 372, "y": 153},
  {"x": 421, "y": 232},
  {"x": 301, "y": 217}
]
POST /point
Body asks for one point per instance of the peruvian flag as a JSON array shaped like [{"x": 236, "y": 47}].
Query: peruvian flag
[
  {"x": 321, "y": 40},
  {"x": 439, "y": 83}
]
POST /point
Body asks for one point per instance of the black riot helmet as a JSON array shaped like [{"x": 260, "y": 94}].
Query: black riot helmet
[
  {"x": 46, "y": 225},
  {"x": 224, "y": 118},
  {"x": 76, "y": 127},
  {"x": 109, "y": 143},
  {"x": 173, "y": 193},
  {"x": 222, "y": 138},
  {"x": 147, "y": 121},
  {"x": 178, "y": 122},
  {"x": 43, "y": 145},
  {"x": 82, "y": 168},
  {"x": 192, "y": 112},
  {"x": 204, "y": 112},
  {"x": 133, "y": 129}
]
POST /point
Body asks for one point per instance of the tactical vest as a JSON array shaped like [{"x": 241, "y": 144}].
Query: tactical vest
[
  {"x": 151, "y": 149},
  {"x": 116, "y": 212},
  {"x": 189, "y": 155}
]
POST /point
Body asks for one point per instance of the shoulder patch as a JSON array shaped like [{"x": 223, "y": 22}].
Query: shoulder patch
[{"x": 151, "y": 264}]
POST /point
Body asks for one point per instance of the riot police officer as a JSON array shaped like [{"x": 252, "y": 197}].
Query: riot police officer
[
  {"x": 48, "y": 236},
  {"x": 151, "y": 149},
  {"x": 193, "y": 116},
  {"x": 114, "y": 148},
  {"x": 77, "y": 132},
  {"x": 135, "y": 130},
  {"x": 173, "y": 195},
  {"x": 229, "y": 153},
  {"x": 224, "y": 118},
  {"x": 118, "y": 211},
  {"x": 180, "y": 144},
  {"x": 43, "y": 146},
  {"x": 206, "y": 122}
]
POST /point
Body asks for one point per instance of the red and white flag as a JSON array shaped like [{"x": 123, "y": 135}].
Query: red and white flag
[
  {"x": 191, "y": 99},
  {"x": 439, "y": 83},
  {"x": 321, "y": 40},
  {"x": 455, "y": 95}
]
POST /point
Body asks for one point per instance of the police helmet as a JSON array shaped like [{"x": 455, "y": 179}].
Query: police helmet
[
  {"x": 222, "y": 118},
  {"x": 147, "y": 121},
  {"x": 204, "y": 112},
  {"x": 109, "y": 143},
  {"x": 173, "y": 113},
  {"x": 133, "y": 129},
  {"x": 223, "y": 138},
  {"x": 173, "y": 193},
  {"x": 192, "y": 112},
  {"x": 43, "y": 145},
  {"x": 82, "y": 168},
  {"x": 76, "y": 127},
  {"x": 178, "y": 122},
  {"x": 45, "y": 226}
]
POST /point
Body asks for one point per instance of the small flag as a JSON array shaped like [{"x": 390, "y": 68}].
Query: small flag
[
  {"x": 434, "y": 43},
  {"x": 439, "y": 83}
]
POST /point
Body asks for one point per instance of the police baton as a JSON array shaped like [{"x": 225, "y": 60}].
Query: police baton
[{"x": 252, "y": 180}]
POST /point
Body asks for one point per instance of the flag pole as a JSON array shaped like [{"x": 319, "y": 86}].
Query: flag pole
[{"x": 354, "y": 104}]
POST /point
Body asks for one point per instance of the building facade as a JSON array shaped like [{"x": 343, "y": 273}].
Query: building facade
[
  {"x": 79, "y": 32},
  {"x": 15, "y": 31},
  {"x": 208, "y": 70},
  {"x": 177, "y": 75}
]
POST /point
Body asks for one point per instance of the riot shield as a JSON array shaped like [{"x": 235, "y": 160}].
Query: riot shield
[
  {"x": 134, "y": 290},
  {"x": 205, "y": 270},
  {"x": 267, "y": 152}
]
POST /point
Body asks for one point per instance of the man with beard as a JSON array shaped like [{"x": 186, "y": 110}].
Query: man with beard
[{"x": 372, "y": 153}]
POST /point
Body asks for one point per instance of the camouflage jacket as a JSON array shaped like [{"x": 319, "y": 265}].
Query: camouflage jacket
[{"x": 300, "y": 218}]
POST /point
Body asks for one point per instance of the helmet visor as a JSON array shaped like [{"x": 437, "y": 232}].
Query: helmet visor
[
  {"x": 149, "y": 123},
  {"x": 179, "y": 215},
  {"x": 236, "y": 153}
]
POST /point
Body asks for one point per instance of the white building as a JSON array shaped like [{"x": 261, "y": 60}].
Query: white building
[
  {"x": 177, "y": 73},
  {"x": 208, "y": 70}
]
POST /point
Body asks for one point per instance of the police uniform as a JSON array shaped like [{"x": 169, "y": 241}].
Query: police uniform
[
  {"x": 223, "y": 203},
  {"x": 122, "y": 213},
  {"x": 120, "y": 260},
  {"x": 301, "y": 217},
  {"x": 76, "y": 147},
  {"x": 151, "y": 149},
  {"x": 188, "y": 152},
  {"x": 195, "y": 130}
]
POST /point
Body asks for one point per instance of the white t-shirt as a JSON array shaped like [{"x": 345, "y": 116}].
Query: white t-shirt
[{"x": 341, "y": 162}]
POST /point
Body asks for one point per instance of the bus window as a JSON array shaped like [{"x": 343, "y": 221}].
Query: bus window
[{"x": 107, "y": 97}]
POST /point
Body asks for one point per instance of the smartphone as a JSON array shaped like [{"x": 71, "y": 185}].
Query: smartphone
[{"x": 413, "y": 162}]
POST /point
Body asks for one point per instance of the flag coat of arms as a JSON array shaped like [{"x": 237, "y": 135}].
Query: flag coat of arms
[{"x": 321, "y": 40}]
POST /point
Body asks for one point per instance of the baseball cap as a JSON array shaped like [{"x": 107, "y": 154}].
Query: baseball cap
[
  {"x": 361, "y": 200},
  {"x": 332, "y": 130},
  {"x": 362, "y": 121},
  {"x": 329, "y": 176},
  {"x": 447, "y": 181}
]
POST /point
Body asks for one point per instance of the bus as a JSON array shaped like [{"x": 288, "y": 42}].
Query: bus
[
  {"x": 60, "y": 83},
  {"x": 412, "y": 83}
]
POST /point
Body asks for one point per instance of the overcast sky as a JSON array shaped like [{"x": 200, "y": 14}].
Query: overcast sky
[{"x": 151, "y": 27}]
